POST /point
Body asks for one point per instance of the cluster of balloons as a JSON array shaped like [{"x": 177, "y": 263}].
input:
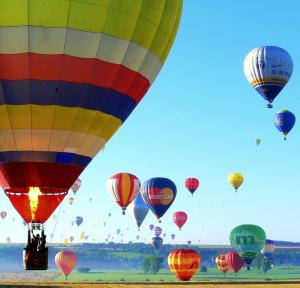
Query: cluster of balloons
[{"x": 268, "y": 69}]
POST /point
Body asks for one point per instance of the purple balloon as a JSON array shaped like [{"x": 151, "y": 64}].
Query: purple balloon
[
  {"x": 173, "y": 236},
  {"x": 151, "y": 226},
  {"x": 157, "y": 231}
]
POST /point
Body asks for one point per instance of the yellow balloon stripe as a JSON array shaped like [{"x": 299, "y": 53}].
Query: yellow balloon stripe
[
  {"x": 58, "y": 118},
  {"x": 128, "y": 20}
]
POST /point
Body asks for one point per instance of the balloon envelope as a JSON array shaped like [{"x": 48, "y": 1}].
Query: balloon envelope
[
  {"x": 74, "y": 72},
  {"x": 236, "y": 180},
  {"x": 247, "y": 240},
  {"x": 221, "y": 263},
  {"x": 123, "y": 187},
  {"x": 234, "y": 261},
  {"x": 184, "y": 263},
  {"x": 151, "y": 226},
  {"x": 268, "y": 69},
  {"x": 138, "y": 210},
  {"x": 284, "y": 121},
  {"x": 78, "y": 220},
  {"x": 179, "y": 218},
  {"x": 65, "y": 261},
  {"x": 192, "y": 184},
  {"x": 157, "y": 242},
  {"x": 157, "y": 230},
  {"x": 3, "y": 214},
  {"x": 159, "y": 194}
]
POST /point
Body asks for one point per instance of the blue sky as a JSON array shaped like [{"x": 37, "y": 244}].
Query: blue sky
[{"x": 200, "y": 119}]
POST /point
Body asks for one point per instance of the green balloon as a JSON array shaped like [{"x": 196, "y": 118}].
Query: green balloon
[{"x": 247, "y": 240}]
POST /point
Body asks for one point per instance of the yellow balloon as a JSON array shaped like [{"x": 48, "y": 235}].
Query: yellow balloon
[
  {"x": 236, "y": 180},
  {"x": 66, "y": 241}
]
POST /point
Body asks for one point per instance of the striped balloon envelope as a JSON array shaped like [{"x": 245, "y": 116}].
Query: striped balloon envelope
[
  {"x": 221, "y": 264},
  {"x": 184, "y": 263},
  {"x": 71, "y": 73},
  {"x": 123, "y": 187},
  {"x": 65, "y": 261}
]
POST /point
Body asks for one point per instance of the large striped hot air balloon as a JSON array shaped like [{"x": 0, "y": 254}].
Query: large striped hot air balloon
[
  {"x": 184, "y": 263},
  {"x": 123, "y": 187},
  {"x": 65, "y": 261},
  {"x": 268, "y": 69},
  {"x": 71, "y": 73}
]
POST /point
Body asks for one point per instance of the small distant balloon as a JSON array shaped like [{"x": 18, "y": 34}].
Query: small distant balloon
[
  {"x": 71, "y": 238},
  {"x": 78, "y": 220},
  {"x": 192, "y": 184},
  {"x": 109, "y": 214},
  {"x": 236, "y": 180},
  {"x": 3, "y": 214},
  {"x": 179, "y": 218},
  {"x": 151, "y": 226},
  {"x": 284, "y": 121},
  {"x": 76, "y": 185},
  {"x": 157, "y": 231},
  {"x": 257, "y": 141},
  {"x": 189, "y": 242},
  {"x": 71, "y": 200},
  {"x": 173, "y": 236}
]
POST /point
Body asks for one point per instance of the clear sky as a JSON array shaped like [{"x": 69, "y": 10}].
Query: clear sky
[{"x": 200, "y": 119}]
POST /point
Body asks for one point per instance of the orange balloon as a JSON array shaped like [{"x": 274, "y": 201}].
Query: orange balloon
[
  {"x": 184, "y": 263},
  {"x": 65, "y": 261}
]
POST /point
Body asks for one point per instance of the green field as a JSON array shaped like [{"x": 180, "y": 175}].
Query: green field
[{"x": 277, "y": 273}]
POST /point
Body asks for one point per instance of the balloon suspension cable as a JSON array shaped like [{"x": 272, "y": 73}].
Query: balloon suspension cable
[{"x": 55, "y": 225}]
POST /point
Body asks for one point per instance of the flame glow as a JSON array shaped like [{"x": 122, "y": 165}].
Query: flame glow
[{"x": 33, "y": 195}]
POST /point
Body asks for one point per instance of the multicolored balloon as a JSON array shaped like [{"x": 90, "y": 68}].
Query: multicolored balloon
[
  {"x": 284, "y": 121},
  {"x": 138, "y": 210},
  {"x": 248, "y": 240},
  {"x": 157, "y": 242},
  {"x": 74, "y": 72},
  {"x": 192, "y": 184},
  {"x": 184, "y": 263},
  {"x": 179, "y": 218},
  {"x": 234, "y": 261},
  {"x": 66, "y": 262},
  {"x": 236, "y": 180},
  {"x": 78, "y": 220},
  {"x": 268, "y": 69},
  {"x": 268, "y": 249},
  {"x": 159, "y": 194},
  {"x": 157, "y": 230},
  {"x": 123, "y": 187},
  {"x": 221, "y": 264}
]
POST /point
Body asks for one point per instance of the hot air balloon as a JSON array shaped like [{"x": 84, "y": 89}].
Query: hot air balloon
[
  {"x": 284, "y": 121},
  {"x": 173, "y": 236},
  {"x": 151, "y": 226},
  {"x": 192, "y": 184},
  {"x": 184, "y": 263},
  {"x": 164, "y": 235},
  {"x": 71, "y": 238},
  {"x": 268, "y": 69},
  {"x": 257, "y": 141},
  {"x": 138, "y": 210},
  {"x": 71, "y": 74},
  {"x": 82, "y": 236},
  {"x": 234, "y": 261},
  {"x": 123, "y": 187},
  {"x": 189, "y": 242},
  {"x": 236, "y": 180},
  {"x": 3, "y": 214},
  {"x": 109, "y": 214},
  {"x": 71, "y": 200},
  {"x": 76, "y": 186},
  {"x": 179, "y": 218},
  {"x": 66, "y": 241},
  {"x": 159, "y": 194},
  {"x": 221, "y": 264},
  {"x": 78, "y": 220},
  {"x": 157, "y": 242},
  {"x": 157, "y": 230},
  {"x": 65, "y": 261},
  {"x": 247, "y": 240},
  {"x": 268, "y": 249},
  {"x": 118, "y": 231}
]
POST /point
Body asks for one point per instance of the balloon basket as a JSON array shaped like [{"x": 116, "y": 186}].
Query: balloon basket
[
  {"x": 35, "y": 260},
  {"x": 269, "y": 105}
]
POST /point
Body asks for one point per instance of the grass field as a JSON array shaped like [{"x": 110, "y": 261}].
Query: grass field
[{"x": 277, "y": 273}]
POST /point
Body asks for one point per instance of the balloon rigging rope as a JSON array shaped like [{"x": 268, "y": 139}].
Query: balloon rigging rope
[{"x": 55, "y": 225}]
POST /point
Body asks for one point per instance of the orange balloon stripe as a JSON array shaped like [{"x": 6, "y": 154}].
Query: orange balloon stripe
[{"x": 73, "y": 69}]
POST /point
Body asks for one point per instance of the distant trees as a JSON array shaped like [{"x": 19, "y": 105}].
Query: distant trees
[{"x": 152, "y": 264}]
